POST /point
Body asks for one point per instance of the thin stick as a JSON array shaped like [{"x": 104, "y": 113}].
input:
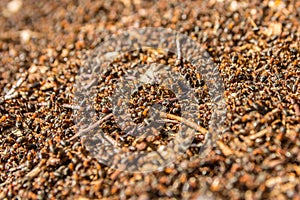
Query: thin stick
[
  {"x": 252, "y": 22},
  {"x": 111, "y": 140},
  {"x": 73, "y": 107},
  {"x": 259, "y": 134},
  {"x": 82, "y": 131},
  {"x": 12, "y": 92},
  {"x": 162, "y": 114},
  {"x": 87, "y": 86},
  {"x": 178, "y": 46},
  {"x": 167, "y": 121},
  {"x": 185, "y": 121},
  {"x": 65, "y": 105},
  {"x": 168, "y": 99}
]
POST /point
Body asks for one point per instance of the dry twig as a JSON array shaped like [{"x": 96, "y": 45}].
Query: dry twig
[{"x": 185, "y": 121}]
